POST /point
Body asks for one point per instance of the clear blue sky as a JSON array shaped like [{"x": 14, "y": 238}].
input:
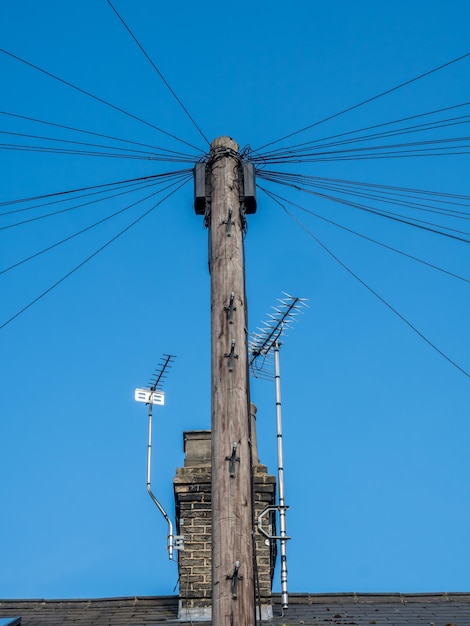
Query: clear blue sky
[{"x": 376, "y": 423}]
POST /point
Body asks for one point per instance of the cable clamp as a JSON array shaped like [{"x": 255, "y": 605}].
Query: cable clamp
[
  {"x": 228, "y": 223},
  {"x": 231, "y": 356},
  {"x": 230, "y": 308},
  {"x": 232, "y": 459},
  {"x": 235, "y": 577}
]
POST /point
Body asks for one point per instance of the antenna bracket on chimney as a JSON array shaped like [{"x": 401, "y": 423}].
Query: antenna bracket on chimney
[
  {"x": 269, "y": 509},
  {"x": 178, "y": 542}
]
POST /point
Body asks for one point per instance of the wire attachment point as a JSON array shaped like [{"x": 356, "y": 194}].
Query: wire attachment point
[
  {"x": 235, "y": 577},
  {"x": 231, "y": 356},
  {"x": 230, "y": 308},
  {"x": 228, "y": 223},
  {"x": 233, "y": 458}
]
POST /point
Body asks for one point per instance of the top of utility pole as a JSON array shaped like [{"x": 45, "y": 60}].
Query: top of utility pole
[
  {"x": 224, "y": 146},
  {"x": 224, "y": 142}
]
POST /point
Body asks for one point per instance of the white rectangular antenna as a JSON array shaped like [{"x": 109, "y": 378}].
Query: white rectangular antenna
[{"x": 148, "y": 396}]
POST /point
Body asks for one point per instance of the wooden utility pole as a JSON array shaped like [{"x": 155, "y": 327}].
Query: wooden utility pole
[{"x": 233, "y": 596}]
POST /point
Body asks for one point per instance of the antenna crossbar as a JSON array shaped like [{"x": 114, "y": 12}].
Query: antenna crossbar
[
  {"x": 161, "y": 373},
  {"x": 263, "y": 342}
]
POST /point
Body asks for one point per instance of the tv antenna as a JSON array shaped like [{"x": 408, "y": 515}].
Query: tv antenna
[
  {"x": 154, "y": 395},
  {"x": 263, "y": 346}
]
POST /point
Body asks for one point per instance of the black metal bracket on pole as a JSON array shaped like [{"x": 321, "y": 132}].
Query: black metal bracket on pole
[
  {"x": 232, "y": 459},
  {"x": 231, "y": 356},
  {"x": 235, "y": 577},
  {"x": 230, "y": 308},
  {"x": 228, "y": 224}
]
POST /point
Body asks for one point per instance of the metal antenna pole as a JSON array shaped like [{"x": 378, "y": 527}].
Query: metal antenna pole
[
  {"x": 262, "y": 345},
  {"x": 280, "y": 478},
  {"x": 170, "y": 536},
  {"x": 151, "y": 396}
]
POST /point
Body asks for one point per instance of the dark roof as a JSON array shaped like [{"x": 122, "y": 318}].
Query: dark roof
[
  {"x": 362, "y": 609},
  {"x": 106, "y": 611}
]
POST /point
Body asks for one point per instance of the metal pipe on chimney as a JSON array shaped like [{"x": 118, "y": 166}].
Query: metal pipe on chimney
[
  {"x": 280, "y": 479},
  {"x": 170, "y": 537}
]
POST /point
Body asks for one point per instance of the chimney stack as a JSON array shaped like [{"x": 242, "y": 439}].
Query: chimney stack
[{"x": 192, "y": 488}]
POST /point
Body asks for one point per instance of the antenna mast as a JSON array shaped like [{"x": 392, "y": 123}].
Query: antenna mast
[
  {"x": 262, "y": 345},
  {"x": 154, "y": 395}
]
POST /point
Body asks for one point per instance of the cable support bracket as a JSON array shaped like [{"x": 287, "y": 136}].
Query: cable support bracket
[
  {"x": 222, "y": 151},
  {"x": 235, "y": 577},
  {"x": 230, "y": 308},
  {"x": 231, "y": 356},
  {"x": 229, "y": 223},
  {"x": 233, "y": 458}
]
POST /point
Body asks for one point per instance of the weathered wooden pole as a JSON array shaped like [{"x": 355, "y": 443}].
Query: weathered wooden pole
[{"x": 233, "y": 597}]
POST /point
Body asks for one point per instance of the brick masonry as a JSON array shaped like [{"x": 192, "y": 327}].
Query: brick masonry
[{"x": 192, "y": 488}]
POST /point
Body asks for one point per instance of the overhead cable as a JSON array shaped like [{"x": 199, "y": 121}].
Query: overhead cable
[
  {"x": 322, "y": 154},
  {"x": 371, "y": 290},
  {"x": 89, "y": 132},
  {"x": 158, "y": 72},
  {"x": 430, "y": 202},
  {"x": 365, "y": 237},
  {"x": 367, "y": 101},
  {"x": 77, "y": 143},
  {"x": 397, "y": 132},
  {"x": 94, "y": 153},
  {"x": 91, "y": 226},
  {"x": 98, "y": 99},
  {"x": 79, "y": 189},
  {"x": 91, "y": 256},
  {"x": 81, "y": 205},
  {"x": 303, "y": 145},
  {"x": 422, "y": 224}
]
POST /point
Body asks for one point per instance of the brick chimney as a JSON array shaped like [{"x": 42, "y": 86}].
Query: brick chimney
[{"x": 192, "y": 488}]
